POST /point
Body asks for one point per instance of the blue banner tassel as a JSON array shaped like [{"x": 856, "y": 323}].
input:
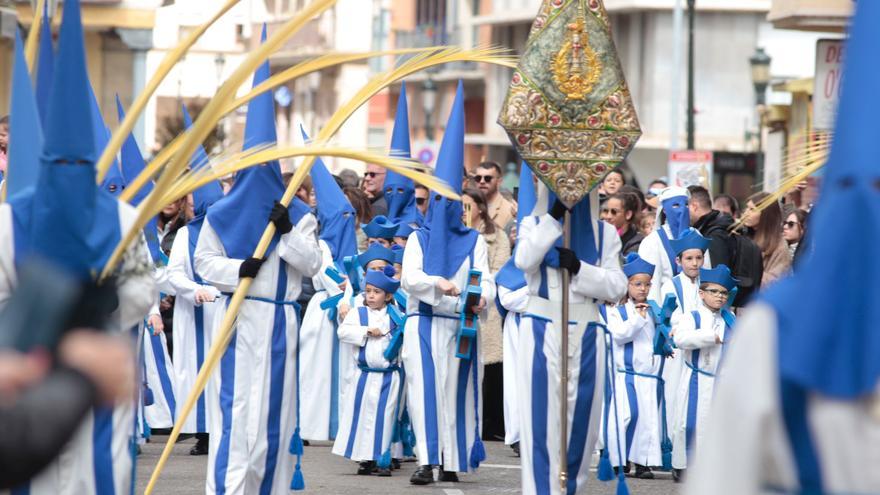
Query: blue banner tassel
[
  {"x": 296, "y": 443},
  {"x": 298, "y": 483},
  {"x": 605, "y": 472},
  {"x": 478, "y": 453}
]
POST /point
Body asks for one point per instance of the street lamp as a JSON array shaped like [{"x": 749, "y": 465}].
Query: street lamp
[
  {"x": 429, "y": 102},
  {"x": 760, "y": 64},
  {"x": 690, "y": 103},
  {"x": 219, "y": 64}
]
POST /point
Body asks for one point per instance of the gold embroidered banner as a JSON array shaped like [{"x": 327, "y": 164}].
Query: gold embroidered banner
[{"x": 568, "y": 110}]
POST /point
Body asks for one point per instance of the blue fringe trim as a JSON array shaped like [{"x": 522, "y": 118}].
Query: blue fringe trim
[
  {"x": 296, "y": 443},
  {"x": 298, "y": 483},
  {"x": 605, "y": 472},
  {"x": 478, "y": 453}
]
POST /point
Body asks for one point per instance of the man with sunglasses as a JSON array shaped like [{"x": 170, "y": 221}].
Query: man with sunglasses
[
  {"x": 421, "y": 194},
  {"x": 374, "y": 180},
  {"x": 487, "y": 178}
]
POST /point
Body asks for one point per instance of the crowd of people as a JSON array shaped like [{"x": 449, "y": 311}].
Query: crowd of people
[{"x": 396, "y": 323}]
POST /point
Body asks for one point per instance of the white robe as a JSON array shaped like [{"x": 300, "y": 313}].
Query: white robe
[
  {"x": 192, "y": 331},
  {"x": 516, "y": 303},
  {"x": 99, "y": 457},
  {"x": 323, "y": 371},
  {"x": 368, "y": 415},
  {"x": 443, "y": 393},
  {"x": 257, "y": 373},
  {"x": 693, "y": 399},
  {"x": 638, "y": 419},
  {"x": 651, "y": 250},
  {"x": 747, "y": 450},
  {"x": 539, "y": 371}
]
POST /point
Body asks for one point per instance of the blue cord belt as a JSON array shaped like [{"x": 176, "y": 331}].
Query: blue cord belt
[{"x": 698, "y": 370}]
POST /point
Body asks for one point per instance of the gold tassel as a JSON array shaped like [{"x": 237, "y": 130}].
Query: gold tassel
[
  {"x": 140, "y": 102},
  {"x": 33, "y": 38}
]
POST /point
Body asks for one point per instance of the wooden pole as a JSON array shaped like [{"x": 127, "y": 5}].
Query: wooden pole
[{"x": 563, "y": 375}]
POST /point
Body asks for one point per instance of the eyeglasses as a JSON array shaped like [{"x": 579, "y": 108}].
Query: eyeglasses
[
  {"x": 373, "y": 174},
  {"x": 641, "y": 285},
  {"x": 482, "y": 178},
  {"x": 611, "y": 211},
  {"x": 421, "y": 201},
  {"x": 718, "y": 292},
  {"x": 789, "y": 224}
]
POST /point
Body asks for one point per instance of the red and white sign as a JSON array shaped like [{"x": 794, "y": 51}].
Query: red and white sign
[
  {"x": 826, "y": 83},
  {"x": 690, "y": 168}
]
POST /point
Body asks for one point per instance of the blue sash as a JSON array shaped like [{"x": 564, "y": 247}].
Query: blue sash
[{"x": 668, "y": 248}]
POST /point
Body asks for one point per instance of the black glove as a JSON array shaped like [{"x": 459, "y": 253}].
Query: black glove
[
  {"x": 558, "y": 210},
  {"x": 96, "y": 303},
  {"x": 281, "y": 218},
  {"x": 569, "y": 260},
  {"x": 250, "y": 267}
]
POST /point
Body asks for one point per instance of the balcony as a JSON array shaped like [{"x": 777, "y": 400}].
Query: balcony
[
  {"x": 811, "y": 15},
  {"x": 315, "y": 38},
  {"x": 432, "y": 35}
]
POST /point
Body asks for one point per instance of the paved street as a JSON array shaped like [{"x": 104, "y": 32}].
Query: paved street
[{"x": 327, "y": 473}]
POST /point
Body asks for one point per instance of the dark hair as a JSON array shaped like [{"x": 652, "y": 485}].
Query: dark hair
[
  {"x": 483, "y": 207},
  {"x": 285, "y": 177},
  {"x": 629, "y": 189},
  {"x": 801, "y": 216},
  {"x": 658, "y": 181},
  {"x": 630, "y": 203},
  {"x": 768, "y": 232},
  {"x": 493, "y": 165},
  {"x": 731, "y": 202},
  {"x": 4, "y": 119},
  {"x": 700, "y": 196},
  {"x": 360, "y": 203},
  {"x": 420, "y": 186},
  {"x": 615, "y": 171}
]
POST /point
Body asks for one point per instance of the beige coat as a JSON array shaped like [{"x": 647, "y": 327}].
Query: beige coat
[
  {"x": 490, "y": 329},
  {"x": 776, "y": 264},
  {"x": 502, "y": 211}
]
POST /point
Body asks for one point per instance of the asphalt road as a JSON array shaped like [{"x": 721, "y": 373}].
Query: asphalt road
[{"x": 327, "y": 473}]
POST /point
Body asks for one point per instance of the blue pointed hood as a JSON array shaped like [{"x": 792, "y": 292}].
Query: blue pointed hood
[
  {"x": 509, "y": 276},
  {"x": 208, "y": 194},
  {"x": 113, "y": 182},
  {"x": 26, "y": 130},
  {"x": 400, "y": 190},
  {"x": 241, "y": 216},
  {"x": 336, "y": 216},
  {"x": 449, "y": 242},
  {"x": 45, "y": 65},
  {"x": 67, "y": 219},
  {"x": 828, "y": 340},
  {"x": 132, "y": 165}
]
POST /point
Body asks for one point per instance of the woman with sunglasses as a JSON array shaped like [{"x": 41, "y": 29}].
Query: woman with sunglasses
[
  {"x": 763, "y": 228},
  {"x": 621, "y": 210},
  {"x": 794, "y": 230}
]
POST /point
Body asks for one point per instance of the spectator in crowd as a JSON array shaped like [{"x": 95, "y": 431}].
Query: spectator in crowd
[
  {"x": 629, "y": 189},
  {"x": 712, "y": 224},
  {"x": 421, "y": 195},
  {"x": 4, "y": 145},
  {"x": 794, "y": 230},
  {"x": 646, "y": 224},
  {"x": 764, "y": 228},
  {"x": 306, "y": 191},
  {"x": 171, "y": 218},
  {"x": 612, "y": 183},
  {"x": 374, "y": 180},
  {"x": 487, "y": 178},
  {"x": 726, "y": 203},
  {"x": 361, "y": 205},
  {"x": 476, "y": 214},
  {"x": 654, "y": 189},
  {"x": 622, "y": 211},
  {"x": 349, "y": 178}
]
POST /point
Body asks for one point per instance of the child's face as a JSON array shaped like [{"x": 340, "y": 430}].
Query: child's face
[
  {"x": 714, "y": 296},
  {"x": 639, "y": 285},
  {"x": 4, "y": 136},
  {"x": 400, "y": 241},
  {"x": 397, "y": 270},
  {"x": 381, "y": 242},
  {"x": 374, "y": 297},
  {"x": 691, "y": 261},
  {"x": 377, "y": 265}
]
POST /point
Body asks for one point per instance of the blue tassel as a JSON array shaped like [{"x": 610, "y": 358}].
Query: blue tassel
[
  {"x": 605, "y": 472},
  {"x": 298, "y": 483},
  {"x": 622, "y": 489},
  {"x": 478, "y": 453},
  {"x": 666, "y": 448},
  {"x": 296, "y": 443},
  {"x": 395, "y": 435},
  {"x": 385, "y": 460}
]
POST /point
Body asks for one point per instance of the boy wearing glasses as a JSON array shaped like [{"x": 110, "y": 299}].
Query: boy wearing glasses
[
  {"x": 701, "y": 336},
  {"x": 635, "y": 392}
]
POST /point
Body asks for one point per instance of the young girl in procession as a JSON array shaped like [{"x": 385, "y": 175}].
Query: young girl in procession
[
  {"x": 371, "y": 405},
  {"x": 637, "y": 426},
  {"x": 700, "y": 335}
]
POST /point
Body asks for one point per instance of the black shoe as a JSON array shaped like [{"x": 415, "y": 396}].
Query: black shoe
[
  {"x": 395, "y": 464},
  {"x": 644, "y": 472},
  {"x": 306, "y": 443},
  {"x": 200, "y": 448},
  {"x": 383, "y": 472},
  {"x": 366, "y": 468},
  {"x": 626, "y": 468},
  {"x": 181, "y": 437},
  {"x": 515, "y": 448},
  {"x": 424, "y": 475},
  {"x": 678, "y": 475},
  {"x": 448, "y": 476}
]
